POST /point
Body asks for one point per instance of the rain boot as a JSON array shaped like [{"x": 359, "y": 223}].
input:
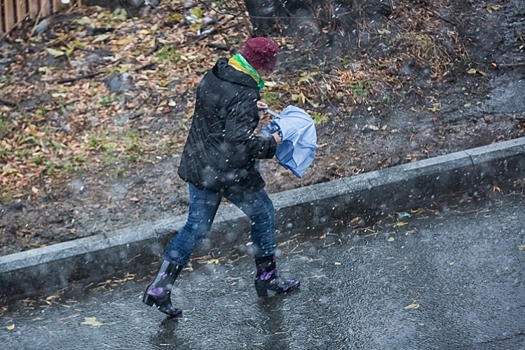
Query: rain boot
[
  {"x": 267, "y": 278},
  {"x": 159, "y": 291}
]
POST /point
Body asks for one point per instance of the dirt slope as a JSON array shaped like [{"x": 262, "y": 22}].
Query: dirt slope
[{"x": 91, "y": 130}]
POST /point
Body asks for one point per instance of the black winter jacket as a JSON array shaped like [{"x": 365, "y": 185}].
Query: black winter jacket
[{"x": 221, "y": 151}]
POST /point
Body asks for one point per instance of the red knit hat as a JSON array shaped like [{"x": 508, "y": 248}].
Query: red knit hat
[{"x": 261, "y": 53}]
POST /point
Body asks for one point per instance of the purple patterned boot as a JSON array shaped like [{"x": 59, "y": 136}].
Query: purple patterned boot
[
  {"x": 267, "y": 278},
  {"x": 159, "y": 291}
]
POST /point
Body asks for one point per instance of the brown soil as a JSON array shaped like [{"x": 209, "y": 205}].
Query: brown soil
[{"x": 427, "y": 80}]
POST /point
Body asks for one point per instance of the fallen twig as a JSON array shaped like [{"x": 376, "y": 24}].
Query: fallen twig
[
  {"x": 36, "y": 21},
  {"x": 146, "y": 66},
  {"x": 7, "y": 103},
  {"x": 71, "y": 80},
  {"x": 218, "y": 46}
]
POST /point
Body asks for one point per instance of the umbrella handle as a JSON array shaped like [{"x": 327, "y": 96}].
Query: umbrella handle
[{"x": 275, "y": 114}]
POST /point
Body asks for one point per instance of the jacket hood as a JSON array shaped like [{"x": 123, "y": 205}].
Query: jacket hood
[{"x": 224, "y": 71}]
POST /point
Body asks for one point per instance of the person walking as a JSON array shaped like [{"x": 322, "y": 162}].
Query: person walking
[{"x": 220, "y": 159}]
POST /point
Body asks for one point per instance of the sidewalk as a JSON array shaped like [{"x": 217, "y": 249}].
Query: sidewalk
[
  {"x": 451, "y": 278},
  {"x": 305, "y": 209}
]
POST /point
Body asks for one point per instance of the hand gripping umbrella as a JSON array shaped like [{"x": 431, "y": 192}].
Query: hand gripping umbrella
[{"x": 297, "y": 130}]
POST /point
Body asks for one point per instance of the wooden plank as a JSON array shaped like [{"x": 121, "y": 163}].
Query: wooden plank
[
  {"x": 21, "y": 9},
  {"x": 9, "y": 14},
  {"x": 34, "y": 8},
  {"x": 46, "y": 8},
  {"x": 57, "y": 5}
]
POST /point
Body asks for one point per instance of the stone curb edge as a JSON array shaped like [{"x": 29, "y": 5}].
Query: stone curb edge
[{"x": 95, "y": 258}]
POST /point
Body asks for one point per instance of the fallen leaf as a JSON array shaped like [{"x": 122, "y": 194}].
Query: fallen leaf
[
  {"x": 55, "y": 53},
  {"x": 305, "y": 78},
  {"x": 474, "y": 71},
  {"x": 319, "y": 119},
  {"x": 84, "y": 20},
  {"x": 391, "y": 239},
  {"x": 102, "y": 37},
  {"x": 11, "y": 327},
  {"x": 401, "y": 223},
  {"x": 312, "y": 103},
  {"x": 197, "y": 12},
  {"x": 91, "y": 321},
  {"x": 521, "y": 247},
  {"x": 213, "y": 261},
  {"x": 57, "y": 145},
  {"x": 414, "y": 305},
  {"x": 195, "y": 26},
  {"x": 370, "y": 127}
]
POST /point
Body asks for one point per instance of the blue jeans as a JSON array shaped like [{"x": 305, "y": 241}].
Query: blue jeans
[{"x": 203, "y": 207}]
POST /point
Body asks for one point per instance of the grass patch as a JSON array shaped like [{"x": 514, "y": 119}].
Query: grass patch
[
  {"x": 6, "y": 197},
  {"x": 319, "y": 118},
  {"x": 272, "y": 99},
  {"x": 132, "y": 141},
  {"x": 423, "y": 48},
  {"x": 360, "y": 88},
  {"x": 5, "y": 128},
  {"x": 168, "y": 53}
]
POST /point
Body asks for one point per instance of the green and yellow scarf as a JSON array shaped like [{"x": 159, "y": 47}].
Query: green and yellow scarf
[{"x": 238, "y": 62}]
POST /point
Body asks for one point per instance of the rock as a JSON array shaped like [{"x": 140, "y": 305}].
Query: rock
[
  {"x": 406, "y": 66},
  {"x": 121, "y": 119},
  {"x": 77, "y": 186},
  {"x": 41, "y": 28},
  {"x": 17, "y": 206},
  {"x": 4, "y": 62},
  {"x": 172, "y": 84},
  {"x": 118, "y": 191},
  {"x": 29, "y": 104},
  {"x": 119, "y": 83},
  {"x": 172, "y": 200}
]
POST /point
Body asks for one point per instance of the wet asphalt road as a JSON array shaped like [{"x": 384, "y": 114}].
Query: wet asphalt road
[{"x": 452, "y": 279}]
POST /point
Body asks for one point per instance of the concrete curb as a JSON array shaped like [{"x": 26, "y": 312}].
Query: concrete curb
[{"x": 95, "y": 258}]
